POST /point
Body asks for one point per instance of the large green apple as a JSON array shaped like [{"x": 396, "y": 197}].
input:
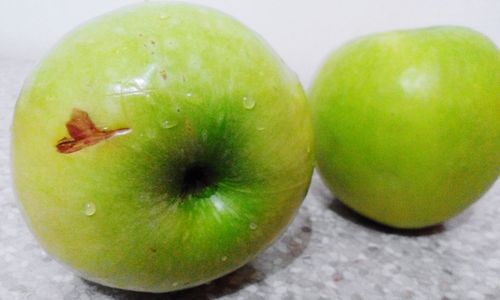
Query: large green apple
[
  {"x": 407, "y": 123},
  {"x": 160, "y": 146}
]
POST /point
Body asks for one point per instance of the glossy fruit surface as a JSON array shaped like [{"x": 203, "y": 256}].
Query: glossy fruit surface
[
  {"x": 160, "y": 146},
  {"x": 407, "y": 123}
]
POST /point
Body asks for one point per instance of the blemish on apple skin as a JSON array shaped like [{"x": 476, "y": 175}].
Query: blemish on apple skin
[
  {"x": 83, "y": 133},
  {"x": 153, "y": 250},
  {"x": 188, "y": 127},
  {"x": 163, "y": 74}
]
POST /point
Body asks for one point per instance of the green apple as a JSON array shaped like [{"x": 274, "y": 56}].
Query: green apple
[
  {"x": 160, "y": 146},
  {"x": 407, "y": 123}
]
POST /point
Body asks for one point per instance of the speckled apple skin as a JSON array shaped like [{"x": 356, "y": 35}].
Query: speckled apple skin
[
  {"x": 194, "y": 86},
  {"x": 407, "y": 123}
]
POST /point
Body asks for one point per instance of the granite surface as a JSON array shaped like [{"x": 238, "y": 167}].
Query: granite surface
[{"x": 328, "y": 252}]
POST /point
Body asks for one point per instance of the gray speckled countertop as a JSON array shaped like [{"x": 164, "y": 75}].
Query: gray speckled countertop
[{"x": 328, "y": 252}]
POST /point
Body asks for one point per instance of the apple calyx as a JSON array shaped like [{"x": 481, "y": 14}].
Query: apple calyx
[
  {"x": 84, "y": 133},
  {"x": 197, "y": 179}
]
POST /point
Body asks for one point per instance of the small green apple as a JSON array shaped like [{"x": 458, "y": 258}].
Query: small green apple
[
  {"x": 160, "y": 146},
  {"x": 407, "y": 123}
]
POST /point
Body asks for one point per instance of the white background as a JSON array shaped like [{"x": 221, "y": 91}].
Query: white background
[{"x": 302, "y": 32}]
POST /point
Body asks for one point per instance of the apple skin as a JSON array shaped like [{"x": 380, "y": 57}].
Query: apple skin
[
  {"x": 196, "y": 89},
  {"x": 407, "y": 123}
]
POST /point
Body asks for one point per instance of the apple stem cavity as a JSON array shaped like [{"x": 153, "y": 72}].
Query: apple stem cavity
[{"x": 84, "y": 133}]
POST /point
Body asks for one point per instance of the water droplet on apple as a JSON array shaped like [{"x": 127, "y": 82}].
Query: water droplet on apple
[
  {"x": 174, "y": 284},
  {"x": 163, "y": 17},
  {"x": 260, "y": 128},
  {"x": 308, "y": 149},
  {"x": 224, "y": 258},
  {"x": 204, "y": 135},
  {"x": 189, "y": 95},
  {"x": 253, "y": 226},
  {"x": 89, "y": 209},
  {"x": 248, "y": 103},
  {"x": 169, "y": 124}
]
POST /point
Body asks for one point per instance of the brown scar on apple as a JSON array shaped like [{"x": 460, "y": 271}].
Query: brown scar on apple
[{"x": 83, "y": 133}]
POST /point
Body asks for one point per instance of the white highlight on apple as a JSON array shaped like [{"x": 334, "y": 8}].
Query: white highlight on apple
[
  {"x": 217, "y": 202},
  {"x": 417, "y": 82}
]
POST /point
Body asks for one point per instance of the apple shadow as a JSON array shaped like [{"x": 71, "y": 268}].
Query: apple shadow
[
  {"x": 328, "y": 199},
  {"x": 223, "y": 286},
  {"x": 347, "y": 213},
  {"x": 278, "y": 256}
]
